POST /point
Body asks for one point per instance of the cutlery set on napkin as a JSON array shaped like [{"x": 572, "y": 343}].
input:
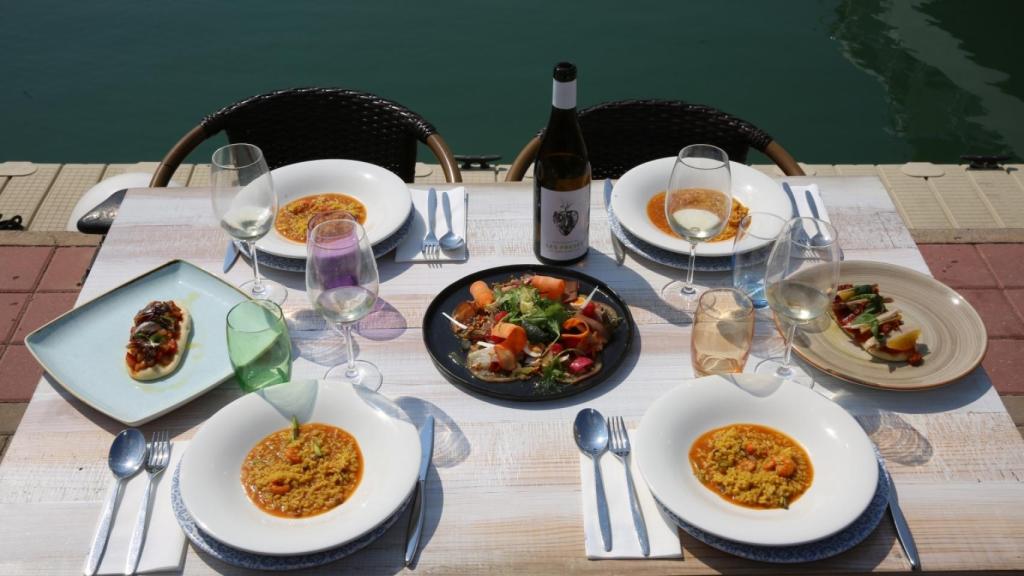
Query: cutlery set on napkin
[
  {"x": 432, "y": 238},
  {"x": 141, "y": 535},
  {"x": 620, "y": 516},
  {"x": 806, "y": 201}
]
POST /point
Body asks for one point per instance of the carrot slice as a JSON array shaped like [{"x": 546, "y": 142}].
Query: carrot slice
[
  {"x": 574, "y": 332},
  {"x": 549, "y": 287},
  {"x": 506, "y": 358},
  {"x": 514, "y": 336},
  {"x": 482, "y": 293}
]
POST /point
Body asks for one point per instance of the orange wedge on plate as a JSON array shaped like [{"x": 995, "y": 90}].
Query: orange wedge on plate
[{"x": 904, "y": 341}]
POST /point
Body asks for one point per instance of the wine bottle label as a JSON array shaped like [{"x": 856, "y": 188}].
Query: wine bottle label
[
  {"x": 564, "y": 223},
  {"x": 564, "y": 95}
]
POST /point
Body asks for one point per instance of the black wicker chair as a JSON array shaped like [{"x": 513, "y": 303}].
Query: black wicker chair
[
  {"x": 315, "y": 123},
  {"x": 626, "y": 133}
]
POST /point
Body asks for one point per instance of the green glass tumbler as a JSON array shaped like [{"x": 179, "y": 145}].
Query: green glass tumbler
[{"x": 258, "y": 344}]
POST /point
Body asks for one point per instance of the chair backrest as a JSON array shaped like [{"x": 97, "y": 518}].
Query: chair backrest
[
  {"x": 315, "y": 123},
  {"x": 623, "y": 134}
]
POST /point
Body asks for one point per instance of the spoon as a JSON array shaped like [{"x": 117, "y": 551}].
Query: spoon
[
  {"x": 451, "y": 240},
  {"x": 591, "y": 433},
  {"x": 127, "y": 454}
]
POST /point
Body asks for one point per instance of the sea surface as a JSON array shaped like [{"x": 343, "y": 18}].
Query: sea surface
[{"x": 834, "y": 81}]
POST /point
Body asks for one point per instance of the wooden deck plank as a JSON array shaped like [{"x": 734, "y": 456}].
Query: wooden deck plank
[
  {"x": 22, "y": 195},
  {"x": 915, "y": 200},
  {"x": 64, "y": 192},
  {"x": 1003, "y": 192},
  {"x": 969, "y": 207}
]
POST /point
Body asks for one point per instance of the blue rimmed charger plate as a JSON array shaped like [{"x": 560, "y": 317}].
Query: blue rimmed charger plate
[
  {"x": 636, "y": 245},
  {"x": 299, "y": 264},
  {"x": 242, "y": 559},
  {"x": 833, "y": 545},
  {"x": 84, "y": 349}
]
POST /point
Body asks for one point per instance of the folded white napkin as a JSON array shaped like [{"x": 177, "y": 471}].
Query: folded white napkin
[
  {"x": 164, "y": 547},
  {"x": 803, "y": 208},
  {"x": 410, "y": 249},
  {"x": 661, "y": 532}
]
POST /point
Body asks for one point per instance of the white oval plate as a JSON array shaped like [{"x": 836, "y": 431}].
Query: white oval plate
[
  {"x": 845, "y": 467},
  {"x": 385, "y": 196},
  {"x": 210, "y": 477},
  {"x": 634, "y": 190}
]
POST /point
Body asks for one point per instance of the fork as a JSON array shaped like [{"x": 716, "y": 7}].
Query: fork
[
  {"x": 620, "y": 447},
  {"x": 158, "y": 458},
  {"x": 431, "y": 247}
]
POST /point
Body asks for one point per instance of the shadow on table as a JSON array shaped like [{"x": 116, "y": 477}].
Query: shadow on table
[
  {"x": 316, "y": 341},
  {"x": 879, "y": 411},
  {"x": 176, "y": 421},
  {"x": 384, "y": 322},
  {"x": 451, "y": 446},
  {"x": 641, "y": 294}
]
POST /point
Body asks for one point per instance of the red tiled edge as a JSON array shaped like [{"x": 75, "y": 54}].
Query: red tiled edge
[
  {"x": 1004, "y": 364},
  {"x": 21, "y": 374},
  {"x": 42, "y": 308},
  {"x": 997, "y": 313},
  {"x": 11, "y": 307},
  {"x": 67, "y": 269},
  {"x": 1006, "y": 261},
  {"x": 991, "y": 278},
  {"x": 21, "y": 267}
]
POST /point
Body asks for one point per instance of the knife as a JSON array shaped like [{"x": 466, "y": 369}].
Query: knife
[
  {"x": 792, "y": 199},
  {"x": 902, "y": 528},
  {"x": 620, "y": 252},
  {"x": 230, "y": 256},
  {"x": 418, "y": 508},
  {"x": 812, "y": 204}
]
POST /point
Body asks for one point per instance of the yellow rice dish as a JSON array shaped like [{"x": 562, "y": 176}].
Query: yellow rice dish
[
  {"x": 293, "y": 219},
  {"x": 303, "y": 470},
  {"x": 751, "y": 465}
]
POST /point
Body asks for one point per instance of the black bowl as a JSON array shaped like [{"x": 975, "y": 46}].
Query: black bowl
[{"x": 446, "y": 351}]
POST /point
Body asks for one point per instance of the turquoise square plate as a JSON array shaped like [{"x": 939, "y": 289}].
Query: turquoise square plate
[{"x": 84, "y": 349}]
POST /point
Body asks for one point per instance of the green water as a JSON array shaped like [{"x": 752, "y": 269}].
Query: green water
[{"x": 857, "y": 81}]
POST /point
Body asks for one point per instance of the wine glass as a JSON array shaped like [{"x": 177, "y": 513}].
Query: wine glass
[
  {"x": 242, "y": 192},
  {"x": 800, "y": 281},
  {"x": 697, "y": 206},
  {"x": 342, "y": 284}
]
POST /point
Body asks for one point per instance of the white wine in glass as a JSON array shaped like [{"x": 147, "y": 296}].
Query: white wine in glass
[
  {"x": 243, "y": 197},
  {"x": 800, "y": 280},
  {"x": 342, "y": 284},
  {"x": 697, "y": 207}
]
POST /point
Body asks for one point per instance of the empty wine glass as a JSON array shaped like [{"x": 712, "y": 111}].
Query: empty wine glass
[
  {"x": 242, "y": 192},
  {"x": 342, "y": 284},
  {"x": 800, "y": 281},
  {"x": 697, "y": 206}
]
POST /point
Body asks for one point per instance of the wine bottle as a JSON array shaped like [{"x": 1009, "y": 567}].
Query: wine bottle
[{"x": 561, "y": 173}]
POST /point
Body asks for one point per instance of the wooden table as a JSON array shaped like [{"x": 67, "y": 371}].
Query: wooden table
[{"x": 504, "y": 491}]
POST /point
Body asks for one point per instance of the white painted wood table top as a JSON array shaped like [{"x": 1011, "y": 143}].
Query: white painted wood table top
[{"x": 504, "y": 490}]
